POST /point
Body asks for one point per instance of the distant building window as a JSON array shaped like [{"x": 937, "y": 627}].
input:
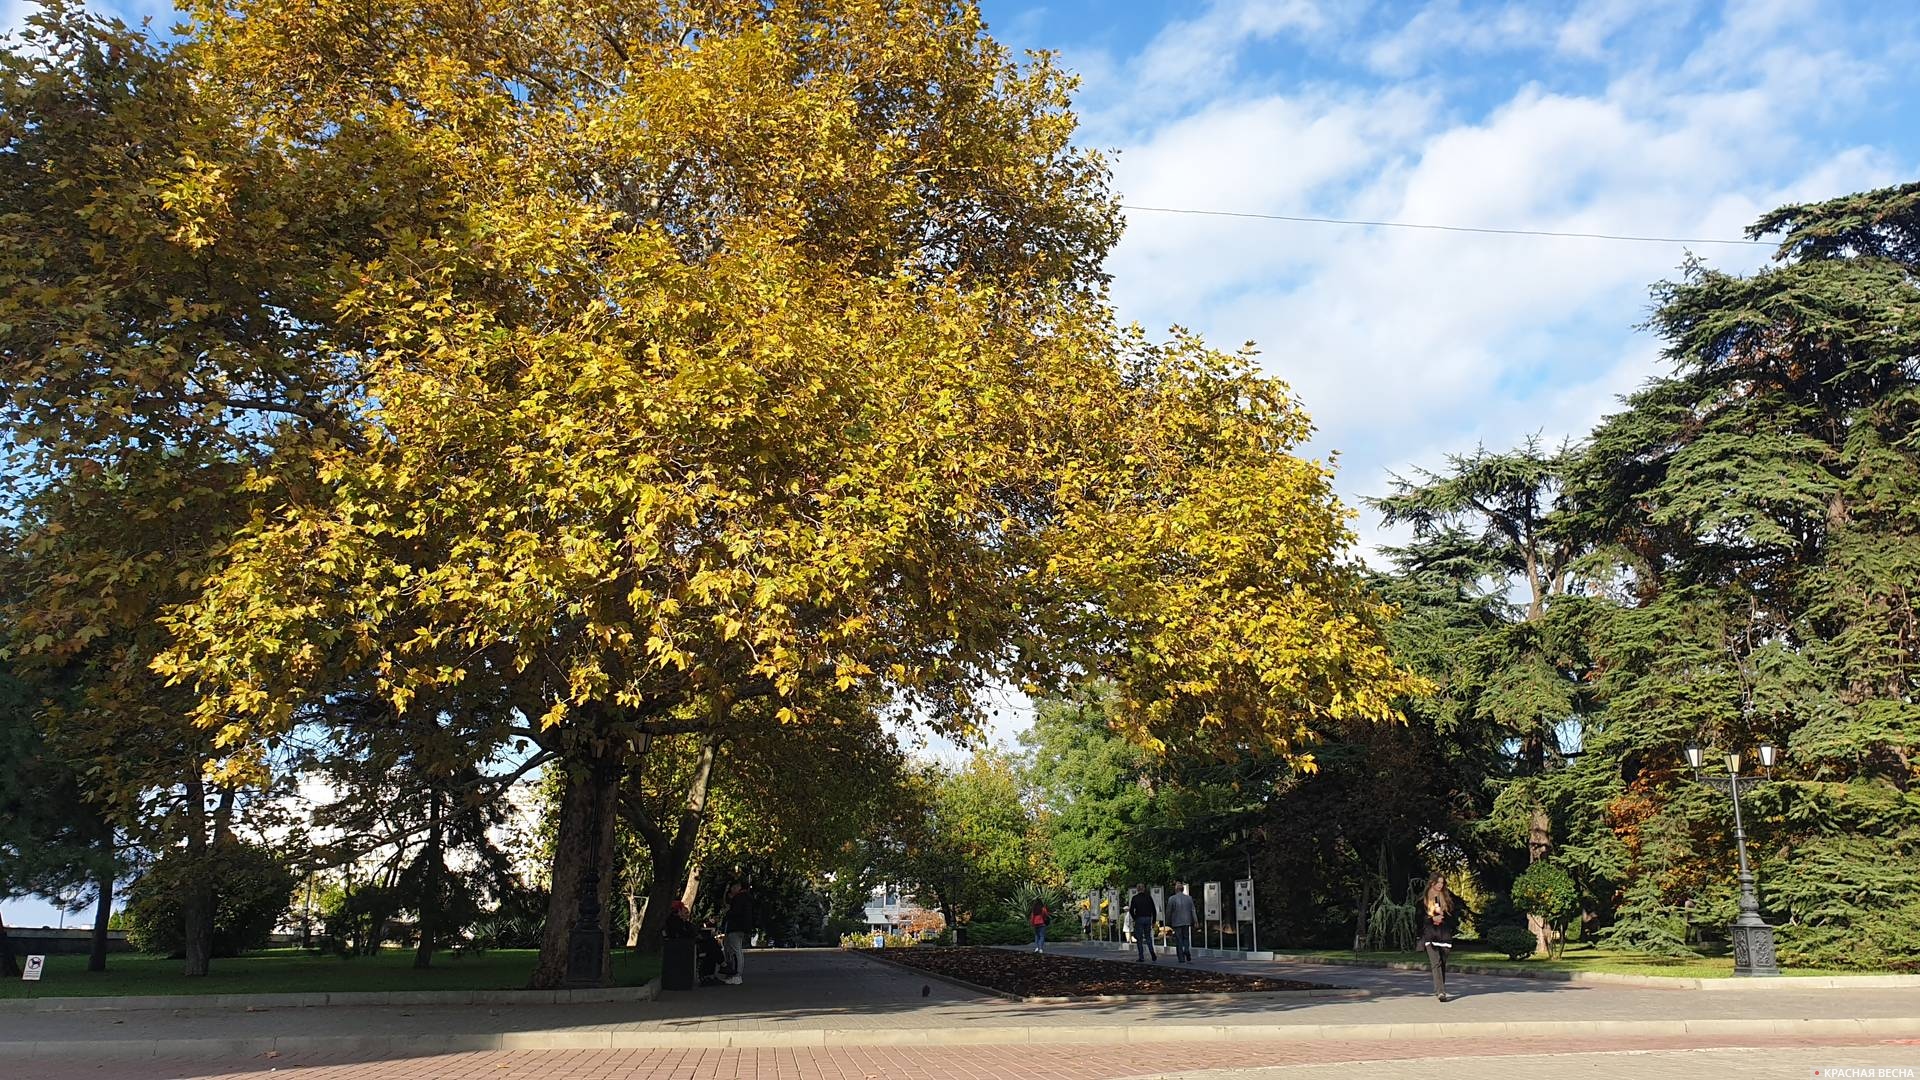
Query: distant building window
[{"x": 893, "y": 896}]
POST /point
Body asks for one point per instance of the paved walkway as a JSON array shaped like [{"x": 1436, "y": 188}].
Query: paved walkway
[
  {"x": 1477, "y": 1059},
  {"x": 831, "y": 1002}
]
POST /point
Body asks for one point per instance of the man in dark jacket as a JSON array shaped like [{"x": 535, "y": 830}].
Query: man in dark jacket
[
  {"x": 738, "y": 926},
  {"x": 1144, "y": 916}
]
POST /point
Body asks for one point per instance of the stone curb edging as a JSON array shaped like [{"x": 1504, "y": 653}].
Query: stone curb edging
[
  {"x": 1336, "y": 993},
  {"x": 601, "y": 995},
  {"x": 1654, "y": 982},
  {"x": 390, "y": 1047}
]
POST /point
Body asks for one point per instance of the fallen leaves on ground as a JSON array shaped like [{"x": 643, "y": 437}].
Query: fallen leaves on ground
[{"x": 1052, "y": 975}]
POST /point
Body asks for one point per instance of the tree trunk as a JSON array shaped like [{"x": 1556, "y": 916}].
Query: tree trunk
[
  {"x": 668, "y": 874},
  {"x": 673, "y": 854},
  {"x": 102, "y": 915},
  {"x": 582, "y": 863},
  {"x": 1360, "y": 909},
  {"x": 1539, "y": 844},
  {"x": 196, "y": 906},
  {"x": 633, "y": 918},
  {"x": 430, "y": 887},
  {"x": 9, "y": 967}
]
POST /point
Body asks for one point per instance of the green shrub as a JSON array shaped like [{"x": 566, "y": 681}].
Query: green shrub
[
  {"x": 252, "y": 889},
  {"x": 516, "y": 923},
  {"x": 999, "y": 933},
  {"x": 1516, "y": 942}
]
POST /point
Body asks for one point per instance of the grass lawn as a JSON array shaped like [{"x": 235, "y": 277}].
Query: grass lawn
[
  {"x": 294, "y": 971},
  {"x": 1578, "y": 957}
]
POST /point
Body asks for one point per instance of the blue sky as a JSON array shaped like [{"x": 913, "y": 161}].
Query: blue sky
[
  {"x": 1651, "y": 117},
  {"x": 1656, "y": 117}
]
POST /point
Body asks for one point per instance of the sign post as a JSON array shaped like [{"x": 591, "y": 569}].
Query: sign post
[
  {"x": 1243, "y": 911},
  {"x": 35, "y": 965},
  {"x": 1115, "y": 926},
  {"x": 1213, "y": 909},
  {"x": 1159, "y": 894}
]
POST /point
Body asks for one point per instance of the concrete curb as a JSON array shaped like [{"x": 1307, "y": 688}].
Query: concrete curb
[
  {"x": 404, "y": 1046},
  {"x": 598, "y": 996},
  {"x": 1336, "y": 993},
  {"x": 1650, "y": 982}
]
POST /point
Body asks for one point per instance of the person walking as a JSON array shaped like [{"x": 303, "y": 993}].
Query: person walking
[
  {"x": 1439, "y": 914},
  {"x": 1037, "y": 917},
  {"x": 1144, "y": 916},
  {"x": 1180, "y": 918},
  {"x": 738, "y": 927}
]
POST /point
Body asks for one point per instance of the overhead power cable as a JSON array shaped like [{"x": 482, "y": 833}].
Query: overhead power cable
[{"x": 1446, "y": 228}]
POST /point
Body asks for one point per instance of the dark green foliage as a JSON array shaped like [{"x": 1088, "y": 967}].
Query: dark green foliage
[
  {"x": 1003, "y": 932},
  {"x": 1855, "y": 900},
  {"x": 1517, "y": 942},
  {"x": 252, "y": 890},
  {"x": 1647, "y": 922},
  {"x": 1729, "y": 559},
  {"x": 1756, "y": 517},
  {"x": 514, "y": 923},
  {"x": 54, "y": 839}
]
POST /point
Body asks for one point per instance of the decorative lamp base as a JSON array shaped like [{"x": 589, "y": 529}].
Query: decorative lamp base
[
  {"x": 1752, "y": 947},
  {"x": 586, "y": 949}
]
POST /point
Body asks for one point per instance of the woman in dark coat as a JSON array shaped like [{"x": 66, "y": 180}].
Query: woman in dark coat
[{"x": 1439, "y": 916}]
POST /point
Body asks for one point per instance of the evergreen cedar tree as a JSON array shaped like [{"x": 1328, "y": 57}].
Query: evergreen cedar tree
[
  {"x": 592, "y": 376},
  {"x": 1729, "y": 558}
]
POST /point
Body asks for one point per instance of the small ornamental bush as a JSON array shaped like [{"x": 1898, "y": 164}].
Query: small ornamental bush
[
  {"x": 1515, "y": 941},
  {"x": 251, "y": 890},
  {"x": 1548, "y": 893}
]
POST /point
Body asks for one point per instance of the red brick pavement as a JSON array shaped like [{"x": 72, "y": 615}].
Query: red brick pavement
[{"x": 867, "y": 1063}]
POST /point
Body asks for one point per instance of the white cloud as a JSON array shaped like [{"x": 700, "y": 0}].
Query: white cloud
[
  {"x": 1407, "y": 345},
  {"x": 1188, "y": 61},
  {"x": 1593, "y": 24},
  {"x": 1444, "y": 28}
]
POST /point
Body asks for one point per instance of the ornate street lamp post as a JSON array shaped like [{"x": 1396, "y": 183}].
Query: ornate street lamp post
[
  {"x": 587, "y": 941},
  {"x": 1752, "y": 937}
]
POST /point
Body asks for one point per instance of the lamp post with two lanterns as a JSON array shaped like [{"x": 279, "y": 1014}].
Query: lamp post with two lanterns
[{"x": 1752, "y": 938}]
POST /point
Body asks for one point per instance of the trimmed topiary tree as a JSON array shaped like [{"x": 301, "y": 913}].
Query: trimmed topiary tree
[{"x": 1548, "y": 892}]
